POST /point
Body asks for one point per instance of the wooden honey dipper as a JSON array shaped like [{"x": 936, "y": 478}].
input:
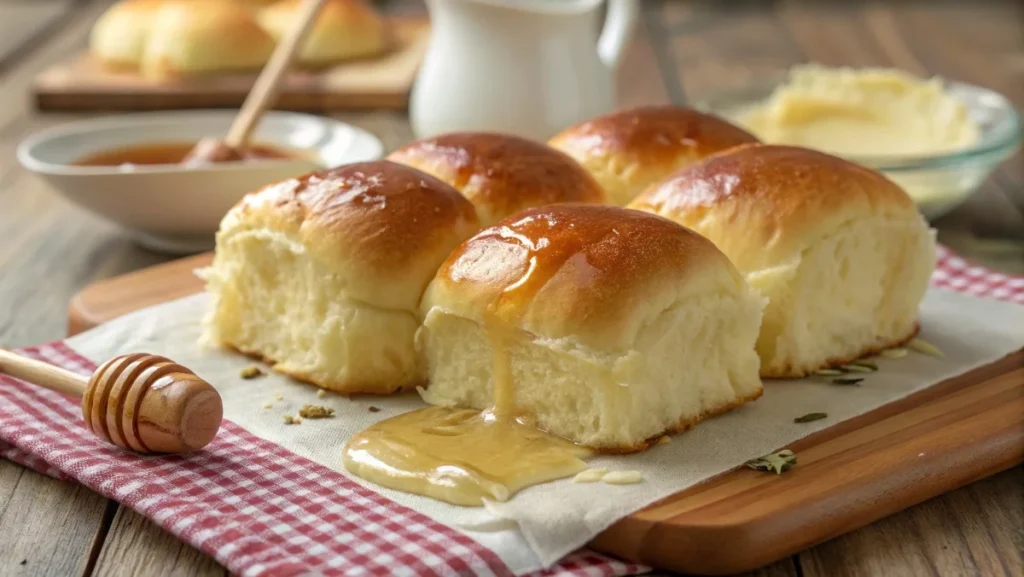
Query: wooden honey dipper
[{"x": 142, "y": 402}]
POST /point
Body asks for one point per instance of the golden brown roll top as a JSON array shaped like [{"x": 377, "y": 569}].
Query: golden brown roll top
[
  {"x": 595, "y": 273},
  {"x": 616, "y": 326},
  {"x": 192, "y": 38},
  {"x": 120, "y": 34},
  {"x": 381, "y": 225},
  {"x": 839, "y": 251},
  {"x": 763, "y": 203},
  {"x": 502, "y": 174},
  {"x": 629, "y": 150},
  {"x": 344, "y": 29}
]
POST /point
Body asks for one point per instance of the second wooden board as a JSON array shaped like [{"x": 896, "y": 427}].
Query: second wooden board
[
  {"x": 83, "y": 84},
  {"x": 847, "y": 476}
]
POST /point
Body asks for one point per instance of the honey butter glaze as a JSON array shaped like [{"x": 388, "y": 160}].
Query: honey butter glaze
[{"x": 464, "y": 456}]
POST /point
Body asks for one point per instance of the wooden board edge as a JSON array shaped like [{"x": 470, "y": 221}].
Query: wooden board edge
[
  {"x": 686, "y": 544},
  {"x": 105, "y": 294}
]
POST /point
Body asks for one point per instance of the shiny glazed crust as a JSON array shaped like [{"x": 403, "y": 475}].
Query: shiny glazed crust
[
  {"x": 502, "y": 174},
  {"x": 761, "y": 204},
  {"x": 630, "y": 149},
  {"x": 593, "y": 273},
  {"x": 382, "y": 224}
]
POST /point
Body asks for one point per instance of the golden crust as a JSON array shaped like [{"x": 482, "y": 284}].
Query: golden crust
[
  {"x": 631, "y": 149},
  {"x": 681, "y": 426},
  {"x": 345, "y": 388},
  {"x": 761, "y": 204},
  {"x": 502, "y": 174},
  {"x": 383, "y": 225},
  {"x": 789, "y": 372},
  {"x": 344, "y": 29},
  {"x": 192, "y": 38},
  {"x": 595, "y": 273}
]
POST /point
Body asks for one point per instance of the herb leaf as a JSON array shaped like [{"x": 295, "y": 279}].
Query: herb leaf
[
  {"x": 810, "y": 417},
  {"x": 776, "y": 462},
  {"x": 828, "y": 372},
  {"x": 847, "y": 381}
]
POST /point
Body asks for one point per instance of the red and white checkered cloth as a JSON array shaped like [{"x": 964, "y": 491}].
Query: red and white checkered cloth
[{"x": 261, "y": 510}]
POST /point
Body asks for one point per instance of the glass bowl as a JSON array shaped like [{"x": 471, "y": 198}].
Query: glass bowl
[{"x": 938, "y": 183}]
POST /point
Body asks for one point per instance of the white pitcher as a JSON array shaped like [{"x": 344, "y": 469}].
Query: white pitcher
[{"x": 527, "y": 67}]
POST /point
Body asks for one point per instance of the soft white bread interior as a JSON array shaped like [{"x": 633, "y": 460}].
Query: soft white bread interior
[
  {"x": 322, "y": 275},
  {"x": 619, "y": 325},
  {"x": 343, "y": 30},
  {"x": 501, "y": 174},
  {"x": 840, "y": 251},
  {"x": 629, "y": 150}
]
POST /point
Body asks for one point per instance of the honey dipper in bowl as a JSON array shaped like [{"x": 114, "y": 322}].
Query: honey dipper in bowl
[
  {"x": 141, "y": 402},
  {"x": 264, "y": 90}
]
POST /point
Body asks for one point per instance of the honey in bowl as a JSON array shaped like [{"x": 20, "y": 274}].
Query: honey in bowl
[{"x": 174, "y": 153}]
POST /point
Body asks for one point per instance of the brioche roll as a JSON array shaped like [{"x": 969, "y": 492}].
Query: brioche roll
[
  {"x": 119, "y": 36},
  {"x": 839, "y": 250},
  {"x": 344, "y": 29},
  {"x": 501, "y": 174},
  {"x": 322, "y": 275},
  {"x": 629, "y": 150},
  {"x": 619, "y": 325},
  {"x": 189, "y": 38}
]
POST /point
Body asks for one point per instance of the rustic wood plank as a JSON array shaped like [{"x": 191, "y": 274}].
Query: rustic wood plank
[
  {"x": 137, "y": 546},
  {"x": 945, "y": 536},
  {"x": 49, "y": 527}
]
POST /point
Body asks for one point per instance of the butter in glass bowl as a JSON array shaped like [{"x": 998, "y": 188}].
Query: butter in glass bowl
[{"x": 937, "y": 139}]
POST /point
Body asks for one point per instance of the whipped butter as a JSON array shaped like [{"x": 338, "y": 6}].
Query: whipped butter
[{"x": 862, "y": 113}]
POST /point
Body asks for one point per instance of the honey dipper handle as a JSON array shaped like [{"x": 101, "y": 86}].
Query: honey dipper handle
[
  {"x": 42, "y": 374},
  {"x": 266, "y": 86}
]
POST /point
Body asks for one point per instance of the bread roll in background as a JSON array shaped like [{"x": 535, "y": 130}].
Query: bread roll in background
[
  {"x": 344, "y": 29},
  {"x": 840, "y": 251},
  {"x": 501, "y": 174},
  {"x": 619, "y": 325},
  {"x": 119, "y": 36},
  {"x": 188, "y": 38},
  {"x": 322, "y": 275},
  {"x": 629, "y": 150}
]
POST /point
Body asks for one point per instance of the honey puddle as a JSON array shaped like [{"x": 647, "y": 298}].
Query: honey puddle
[{"x": 463, "y": 456}]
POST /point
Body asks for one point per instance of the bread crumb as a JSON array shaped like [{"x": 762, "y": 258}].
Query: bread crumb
[
  {"x": 290, "y": 420},
  {"x": 278, "y": 398},
  {"x": 251, "y": 372},
  {"x": 664, "y": 439},
  {"x": 374, "y": 409},
  {"x": 321, "y": 394},
  {"x": 589, "y": 476},
  {"x": 622, "y": 477},
  {"x": 268, "y": 405},
  {"x": 316, "y": 412}
]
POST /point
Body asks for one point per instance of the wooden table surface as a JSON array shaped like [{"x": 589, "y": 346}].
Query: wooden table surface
[{"x": 685, "y": 50}]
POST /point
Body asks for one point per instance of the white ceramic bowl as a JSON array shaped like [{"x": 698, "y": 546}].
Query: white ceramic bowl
[{"x": 169, "y": 208}]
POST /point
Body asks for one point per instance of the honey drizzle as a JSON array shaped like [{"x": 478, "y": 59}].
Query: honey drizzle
[{"x": 464, "y": 456}]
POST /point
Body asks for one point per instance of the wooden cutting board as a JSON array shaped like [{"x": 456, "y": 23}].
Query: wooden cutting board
[
  {"x": 847, "y": 476},
  {"x": 81, "y": 83}
]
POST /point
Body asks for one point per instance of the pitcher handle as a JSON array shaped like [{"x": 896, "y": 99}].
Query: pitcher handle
[{"x": 619, "y": 22}]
